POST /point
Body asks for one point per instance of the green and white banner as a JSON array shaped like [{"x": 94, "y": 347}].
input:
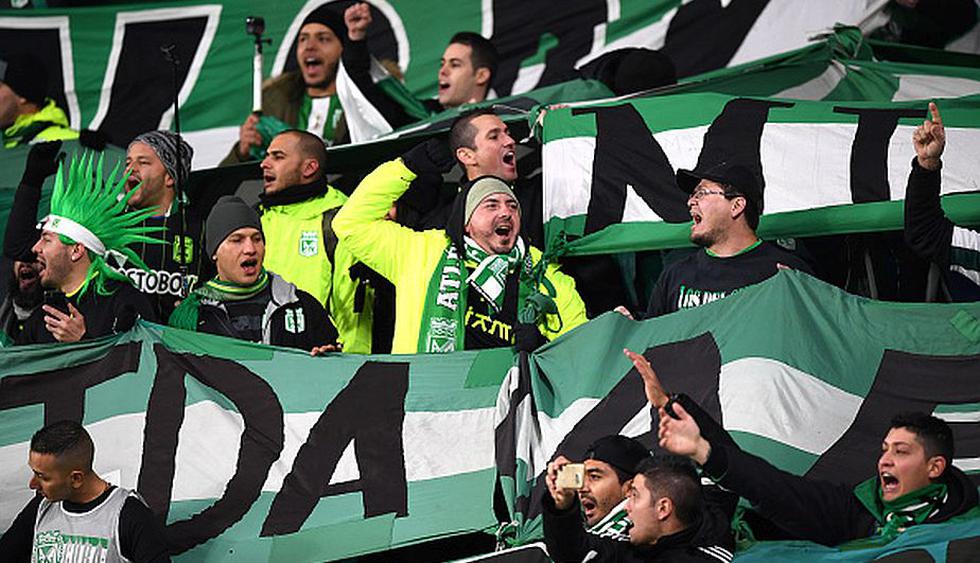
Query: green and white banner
[
  {"x": 799, "y": 372},
  {"x": 829, "y": 167},
  {"x": 107, "y": 71},
  {"x": 253, "y": 453}
]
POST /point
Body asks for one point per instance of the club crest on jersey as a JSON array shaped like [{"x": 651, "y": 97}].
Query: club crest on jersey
[
  {"x": 188, "y": 248},
  {"x": 309, "y": 243},
  {"x": 295, "y": 321}
]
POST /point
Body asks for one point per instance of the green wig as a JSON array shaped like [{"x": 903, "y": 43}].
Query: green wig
[{"x": 88, "y": 208}]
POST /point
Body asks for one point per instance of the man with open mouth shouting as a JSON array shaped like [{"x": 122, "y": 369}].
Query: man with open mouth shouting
[
  {"x": 306, "y": 98},
  {"x": 246, "y": 301},
  {"x": 88, "y": 221},
  {"x": 475, "y": 284},
  {"x": 24, "y": 295},
  {"x": 466, "y": 70},
  {"x": 725, "y": 201},
  {"x": 610, "y": 465},
  {"x": 915, "y": 482}
]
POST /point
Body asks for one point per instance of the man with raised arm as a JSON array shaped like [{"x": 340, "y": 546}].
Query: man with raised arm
[
  {"x": 927, "y": 229},
  {"x": 476, "y": 284},
  {"x": 915, "y": 482}
]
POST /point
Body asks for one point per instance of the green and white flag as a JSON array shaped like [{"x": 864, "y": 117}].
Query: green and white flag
[
  {"x": 845, "y": 66},
  {"x": 254, "y": 453},
  {"x": 829, "y": 167},
  {"x": 799, "y": 372}
]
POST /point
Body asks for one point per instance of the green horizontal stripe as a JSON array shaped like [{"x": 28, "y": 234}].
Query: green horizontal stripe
[
  {"x": 337, "y": 528},
  {"x": 783, "y": 456},
  {"x": 821, "y": 221}
]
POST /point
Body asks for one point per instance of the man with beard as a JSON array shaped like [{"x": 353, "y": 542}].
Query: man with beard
[
  {"x": 153, "y": 162},
  {"x": 297, "y": 206},
  {"x": 725, "y": 202},
  {"x": 465, "y": 287},
  {"x": 304, "y": 99},
  {"x": 610, "y": 464},
  {"x": 88, "y": 220},
  {"x": 24, "y": 295}
]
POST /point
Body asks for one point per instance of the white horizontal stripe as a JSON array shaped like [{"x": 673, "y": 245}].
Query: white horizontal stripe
[
  {"x": 926, "y": 87},
  {"x": 968, "y": 464},
  {"x": 568, "y": 178},
  {"x": 207, "y": 451},
  {"x": 816, "y": 88},
  {"x": 965, "y": 416},
  {"x": 771, "y": 399},
  {"x": 806, "y": 166},
  {"x": 554, "y": 430},
  {"x": 783, "y": 26},
  {"x": 210, "y": 145}
]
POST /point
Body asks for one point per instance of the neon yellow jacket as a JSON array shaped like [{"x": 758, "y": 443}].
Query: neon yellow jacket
[
  {"x": 13, "y": 136},
  {"x": 408, "y": 258},
  {"x": 296, "y": 251}
]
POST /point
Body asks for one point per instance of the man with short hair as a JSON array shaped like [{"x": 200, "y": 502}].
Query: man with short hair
[
  {"x": 725, "y": 202},
  {"x": 610, "y": 464},
  {"x": 86, "y": 223},
  {"x": 481, "y": 142},
  {"x": 915, "y": 483},
  {"x": 466, "y": 69},
  {"x": 305, "y": 99},
  {"x": 78, "y": 512},
  {"x": 670, "y": 521},
  {"x": 297, "y": 206},
  {"x": 246, "y": 301},
  {"x": 464, "y": 287},
  {"x": 27, "y": 115},
  {"x": 465, "y": 75}
]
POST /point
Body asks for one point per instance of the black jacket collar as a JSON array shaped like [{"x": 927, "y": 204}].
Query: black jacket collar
[{"x": 294, "y": 194}]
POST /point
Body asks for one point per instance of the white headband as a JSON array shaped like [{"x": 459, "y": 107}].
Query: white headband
[{"x": 73, "y": 230}]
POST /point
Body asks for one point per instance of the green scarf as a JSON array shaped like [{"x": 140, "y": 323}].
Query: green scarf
[
  {"x": 490, "y": 276},
  {"x": 894, "y": 516},
  {"x": 443, "y": 317},
  {"x": 185, "y": 316}
]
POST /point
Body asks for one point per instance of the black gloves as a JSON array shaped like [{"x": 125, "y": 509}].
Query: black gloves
[
  {"x": 42, "y": 162},
  {"x": 92, "y": 139},
  {"x": 430, "y": 157},
  {"x": 527, "y": 338}
]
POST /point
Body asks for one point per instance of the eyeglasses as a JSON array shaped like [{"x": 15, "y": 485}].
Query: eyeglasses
[{"x": 698, "y": 195}]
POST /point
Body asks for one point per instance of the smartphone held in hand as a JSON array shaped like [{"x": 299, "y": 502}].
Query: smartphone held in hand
[{"x": 571, "y": 476}]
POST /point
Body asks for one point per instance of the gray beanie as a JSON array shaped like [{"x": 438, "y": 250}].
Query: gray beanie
[
  {"x": 229, "y": 214},
  {"x": 480, "y": 189},
  {"x": 164, "y": 143}
]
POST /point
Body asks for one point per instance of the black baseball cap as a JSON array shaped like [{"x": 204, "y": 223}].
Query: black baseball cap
[
  {"x": 739, "y": 176},
  {"x": 618, "y": 451}
]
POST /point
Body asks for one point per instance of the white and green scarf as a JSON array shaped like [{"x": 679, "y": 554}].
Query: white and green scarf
[{"x": 443, "y": 328}]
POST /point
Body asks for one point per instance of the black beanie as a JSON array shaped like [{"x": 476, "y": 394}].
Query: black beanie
[
  {"x": 330, "y": 18},
  {"x": 618, "y": 451},
  {"x": 229, "y": 214},
  {"x": 26, "y": 75}
]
